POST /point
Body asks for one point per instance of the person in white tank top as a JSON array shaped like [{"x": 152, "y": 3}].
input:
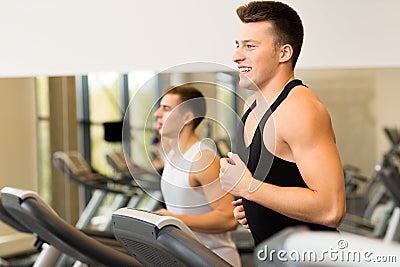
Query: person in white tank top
[{"x": 190, "y": 185}]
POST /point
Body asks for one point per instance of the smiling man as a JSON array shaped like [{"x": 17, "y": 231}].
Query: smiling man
[{"x": 287, "y": 170}]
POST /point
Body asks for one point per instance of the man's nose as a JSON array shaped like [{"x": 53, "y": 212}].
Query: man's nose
[{"x": 238, "y": 55}]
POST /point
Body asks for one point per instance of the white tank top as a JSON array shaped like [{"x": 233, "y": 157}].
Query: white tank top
[{"x": 181, "y": 198}]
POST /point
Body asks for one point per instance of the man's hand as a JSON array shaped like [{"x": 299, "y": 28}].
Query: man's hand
[
  {"x": 235, "y": 177},
  {"x": 239, "y": 213},
  {"x": 164, "y": 212}
]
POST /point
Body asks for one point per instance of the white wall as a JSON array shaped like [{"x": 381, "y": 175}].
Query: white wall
[{"x": 72, "y": 37}]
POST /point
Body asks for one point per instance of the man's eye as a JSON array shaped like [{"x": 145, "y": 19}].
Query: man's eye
[{"x": 250, "y": 46}]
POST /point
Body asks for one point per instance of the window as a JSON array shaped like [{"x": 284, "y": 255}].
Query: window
[
  {"x": 104, "y": 102},
  {"x": 144, "y": 93},
  {"x": 43, "y": 128}
]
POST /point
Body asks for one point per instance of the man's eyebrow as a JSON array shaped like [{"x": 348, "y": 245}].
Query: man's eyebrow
[{"x": 247, "y": 41}]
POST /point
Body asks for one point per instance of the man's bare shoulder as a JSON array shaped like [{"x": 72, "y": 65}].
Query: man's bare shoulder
[
  {"x": 303, "y": 102},
  {"x": 304, "y": 113},
  {"x": 205, "y": 166}
]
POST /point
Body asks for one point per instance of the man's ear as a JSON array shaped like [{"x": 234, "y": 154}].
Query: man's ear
[
  {"x": 286, "y": 53},
  {"x": 188, "y": 117}
]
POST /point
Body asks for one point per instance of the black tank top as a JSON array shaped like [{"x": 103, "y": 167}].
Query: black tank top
[{"x": 266, "y": 167}]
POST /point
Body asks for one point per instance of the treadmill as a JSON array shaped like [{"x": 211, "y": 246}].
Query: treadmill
[
  {"x": 159, "y": 240},
  {"x": 34, "y": 214},
  {"x": 389, "y": 174},
  {"x": 150, "y": 181},
  {"x": 125, "y": 193}
]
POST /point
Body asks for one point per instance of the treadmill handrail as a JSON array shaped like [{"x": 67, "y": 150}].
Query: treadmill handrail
[
  {"x": 92, "y": 179},
  {"x": 22, "y": 195},
  {"x": 37, "y": 216},
  {"x": 10, "y": 221},
  {"x": 158, "y": 220}
]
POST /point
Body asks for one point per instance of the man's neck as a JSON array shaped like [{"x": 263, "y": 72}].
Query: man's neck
[
  {"x": 185, "y": 140},
  {"x": 268, "y": 93}
]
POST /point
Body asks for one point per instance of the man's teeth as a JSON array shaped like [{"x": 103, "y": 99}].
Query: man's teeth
[{"x": 245, "y": 69}]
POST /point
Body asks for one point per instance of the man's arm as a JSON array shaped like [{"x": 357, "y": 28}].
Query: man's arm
[
  {"x": 311, "y": 140},
  {"x": 204, "y": 179}
]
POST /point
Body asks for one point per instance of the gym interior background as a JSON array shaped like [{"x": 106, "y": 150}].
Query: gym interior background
[{"x": 69, "y": 66}]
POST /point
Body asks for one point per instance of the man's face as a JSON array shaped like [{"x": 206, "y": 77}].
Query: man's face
[
  {"x": 256, "y": 54},
  {"x": 170, "y": 120}
]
